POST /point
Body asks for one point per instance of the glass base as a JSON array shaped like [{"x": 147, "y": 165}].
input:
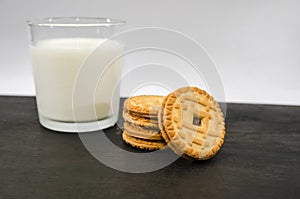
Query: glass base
[{"x": 80, "y": 127}]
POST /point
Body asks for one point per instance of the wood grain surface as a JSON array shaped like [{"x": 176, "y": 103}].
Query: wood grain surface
[{"x": 260, "y": 159}]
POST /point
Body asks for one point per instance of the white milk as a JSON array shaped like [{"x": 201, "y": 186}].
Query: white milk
[{"x": 55, "y": 66}]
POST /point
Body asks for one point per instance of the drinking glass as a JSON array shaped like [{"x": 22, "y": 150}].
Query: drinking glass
[{"x": 59, "y": 48}]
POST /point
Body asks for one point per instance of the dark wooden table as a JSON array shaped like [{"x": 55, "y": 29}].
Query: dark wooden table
[{"x": 260, "y": 159}]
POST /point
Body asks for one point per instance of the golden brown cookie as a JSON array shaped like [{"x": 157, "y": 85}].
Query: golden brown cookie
[
  {"x": 147, "y": 116},
  {"x": 140, "y": 121},
  {"x": 144, "y": 105},
  {"x": 142, "y": 143},
  {"x": 141, "y": 132},
  {"x": 192, "y": 124}
]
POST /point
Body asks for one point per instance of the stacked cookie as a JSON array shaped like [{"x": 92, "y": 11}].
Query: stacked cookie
[
  {"x": 141, "y": 129},
  {"x": 188, "y": 120}
]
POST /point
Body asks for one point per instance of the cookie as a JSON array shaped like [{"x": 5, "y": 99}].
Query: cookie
[
  {"x": 144, "y": 105},
  {"x": 147, "y": 116},
  {"x": 192, "y": 124},
  {"x": 142, "y": 143},
  {"x": 141, "y": 132},
  {"x": 140, "y": 121}
]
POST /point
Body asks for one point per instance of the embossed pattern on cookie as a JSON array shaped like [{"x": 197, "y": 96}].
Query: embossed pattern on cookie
[
  {"x": 192, "y": 124},
  {"x": 144, "y": 105}
]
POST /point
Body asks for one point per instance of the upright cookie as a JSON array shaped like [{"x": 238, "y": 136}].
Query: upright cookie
[
  {"x": 142, "y": 143},
  {"x": 144, "y": 105},
  {"x": 192, "y": 124}
]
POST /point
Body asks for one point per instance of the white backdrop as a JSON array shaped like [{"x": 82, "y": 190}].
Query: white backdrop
[{"x": 255, "y": 44}]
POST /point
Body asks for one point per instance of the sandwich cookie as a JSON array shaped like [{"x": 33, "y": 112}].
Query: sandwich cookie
[{"x": 192, "y": 124}]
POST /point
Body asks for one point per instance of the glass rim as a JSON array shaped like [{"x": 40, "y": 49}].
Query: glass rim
[{"x": 75, "y": 22}]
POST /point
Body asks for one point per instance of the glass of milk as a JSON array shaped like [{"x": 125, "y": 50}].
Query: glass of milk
[{"x": 59, "y": 50}]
